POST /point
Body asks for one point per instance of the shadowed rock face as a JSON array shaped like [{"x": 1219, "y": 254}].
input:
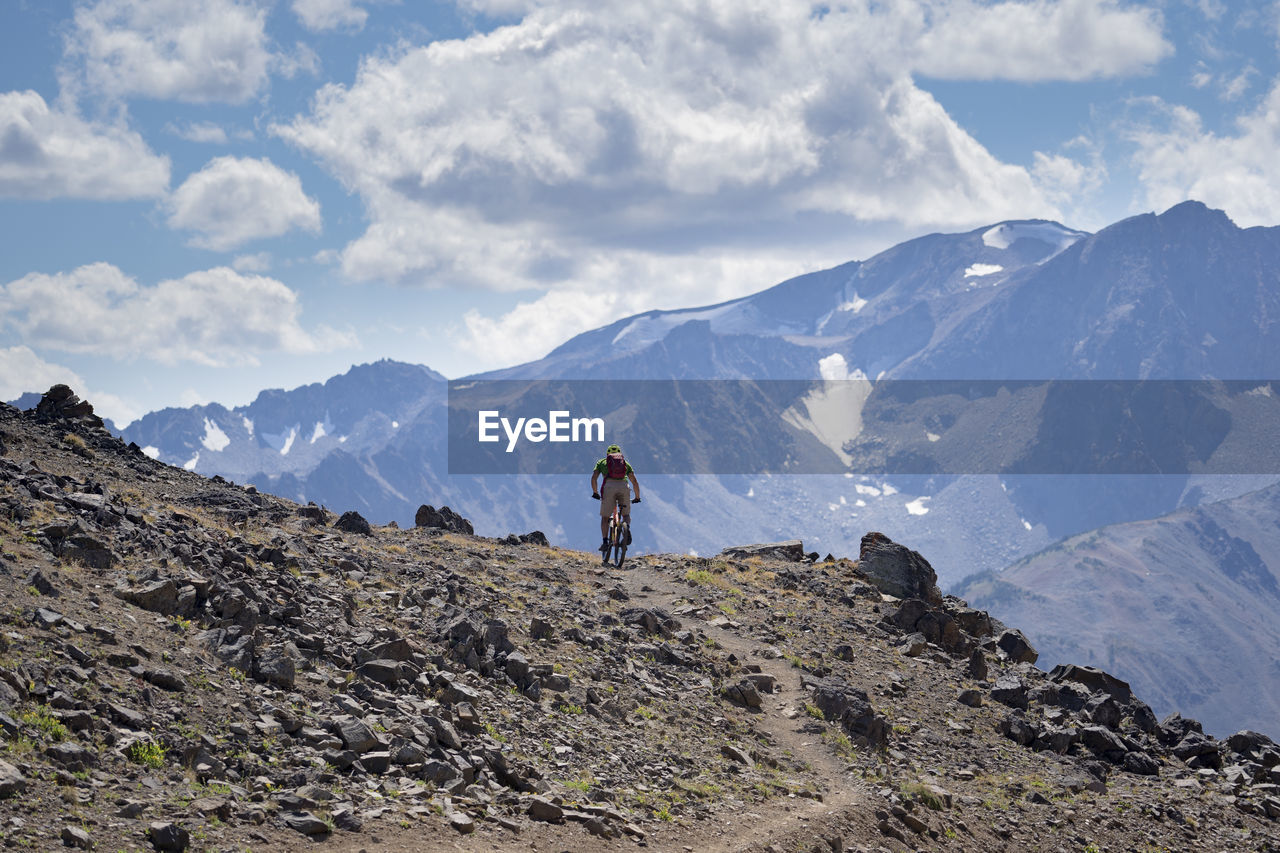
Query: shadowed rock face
[
  {"x": 444, "y": 518},
  {"x": 61, "y": 403},
  {"x": 897, "y": 570}
]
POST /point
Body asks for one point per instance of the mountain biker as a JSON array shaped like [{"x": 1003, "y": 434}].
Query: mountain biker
[{"x": 616, "y": 470}]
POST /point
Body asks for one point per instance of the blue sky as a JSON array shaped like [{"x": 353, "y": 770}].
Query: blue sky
[{"x": 200, "y": 199}]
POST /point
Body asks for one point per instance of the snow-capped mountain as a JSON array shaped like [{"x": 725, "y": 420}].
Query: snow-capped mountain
[
  {"x": 291, "y": 432},
  {"x": 875, "y": 314},
  {"x": 1184, "y": 294}
]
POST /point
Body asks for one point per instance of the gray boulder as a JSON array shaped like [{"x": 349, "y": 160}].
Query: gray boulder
[
  {"x": 897, "y": 570},
  {"x": 1010, "y": 690},
  {"x": 743, "y": 693},
  {"x": 792, "y": 550},
  {"x": 158, "y": 596},
  {"x": 443, "y": 518},
  {"x": 353, "y": 522},
  {"x": 851, "y": 707},
  {"x": 1015, "y": 645},
  {"x": 164, "y": 835},
  {"x": 276, "y": 666},
  {"x": 11, "y": 780},
  {"x": 1094, "y": 679},
  {"x": 357, "y": 736}
]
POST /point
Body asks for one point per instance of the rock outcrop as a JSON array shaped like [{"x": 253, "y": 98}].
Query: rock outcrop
[
  {"x": 443, "y": 518},
  {"x": 897, "y": 570}
]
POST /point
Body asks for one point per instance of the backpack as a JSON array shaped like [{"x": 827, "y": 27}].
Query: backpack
[{"x": 615, "y": 466}]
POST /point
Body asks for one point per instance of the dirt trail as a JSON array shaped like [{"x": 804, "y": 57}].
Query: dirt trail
[{"x": 782, "y": 718}]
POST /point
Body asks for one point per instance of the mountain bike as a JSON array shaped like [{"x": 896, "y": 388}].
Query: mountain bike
[{"x": 619, "y": 537}]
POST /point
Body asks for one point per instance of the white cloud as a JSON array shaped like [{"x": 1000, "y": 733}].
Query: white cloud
[
  {"x": 211, "y": 51},
  {"x": 204, "y": 131},
  {"x": 21, "y": 370},
  {"x": 1177, "y": 159},
  {"x": 258, "y": 262},
  {"x": 534, "y": 327},
  {"x": 320, "y": 15},
  {"x": 1040, "y": 40},
  {"x": 213, "y": 317},
  {"x": 52, "y": 153},
  {"x": 597, "y": 146},
  {"x": 303, "y": 60},
  {"x": 1212, "y": 9},
  {"x": 501, "y": 160},
  {"x": 1070, "y": 183},
  {"x": 1235, "y": 87},
  {"x": 232, "y": 201}
]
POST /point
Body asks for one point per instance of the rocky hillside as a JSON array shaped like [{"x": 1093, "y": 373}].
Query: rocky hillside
[
  {"x": 1186, "y": 607},
  {"x": 190, "y": 664}
]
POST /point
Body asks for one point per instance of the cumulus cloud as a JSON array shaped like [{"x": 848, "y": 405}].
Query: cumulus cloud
[
  {"x": 50, "y": 152},
  {"x": 234, "y": 200},
  {"x": 258, "y": 262},
  {"x": 601, "y": 125},
  {"x": 681, "y": 133},
  {"x": 21, "y": 370},
  {"x": 321, "y": 15},
  {"x": 1042, "y": 40},
  {"x": 1177, "y": 158},
  {"x": 203, "y": 131},
  {"x": 636, "y": 282},
  {"x": 214, "y": 317},
  {"x": 211, "y": 51}
]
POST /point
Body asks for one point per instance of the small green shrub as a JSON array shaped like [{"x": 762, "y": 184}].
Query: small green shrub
[
  {"x": 42, "y": 720},
  {"x": 147, "y": 753}
]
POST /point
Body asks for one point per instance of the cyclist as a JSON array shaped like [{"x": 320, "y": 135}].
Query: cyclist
[{"x": 616, "y": 470}]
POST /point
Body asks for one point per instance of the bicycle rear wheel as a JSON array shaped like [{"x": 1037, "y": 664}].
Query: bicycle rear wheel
[{"x": 623, "y": 539}]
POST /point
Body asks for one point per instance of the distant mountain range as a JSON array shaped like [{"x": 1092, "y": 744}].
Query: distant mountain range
[
  {"x": 1017, "y": 299},
  {"x": 1186, "y": 607}
]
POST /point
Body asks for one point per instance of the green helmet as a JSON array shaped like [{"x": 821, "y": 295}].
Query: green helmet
[{"x": 613, "y": 448}]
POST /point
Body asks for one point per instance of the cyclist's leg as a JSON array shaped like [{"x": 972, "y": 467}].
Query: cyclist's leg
[{"x": 606, "y": 512}]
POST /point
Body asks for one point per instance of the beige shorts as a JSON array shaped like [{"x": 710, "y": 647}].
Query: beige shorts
[{"x": 614, "y": 491}]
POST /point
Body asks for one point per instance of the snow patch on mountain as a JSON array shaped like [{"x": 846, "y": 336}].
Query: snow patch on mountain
[
  {"x": 855, "y": 304},
  {"x": 1006, "y": 234},
  {"x": 982, "y": 269},
  {"x": 322, "y": 429},
  {"x": 917, "y": 507},
  {"x": 832, "y": 413},
  {"x": 248, "y": 425},
  {"x": 288, "y": 442},
  {"x": 214, "y": 438}
]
